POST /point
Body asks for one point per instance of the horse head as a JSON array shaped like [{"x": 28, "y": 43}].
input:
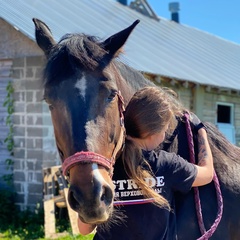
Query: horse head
[{"x": 81, "y": 87}]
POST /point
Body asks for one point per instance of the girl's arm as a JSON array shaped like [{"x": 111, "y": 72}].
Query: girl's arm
[
  {"x": 85, "y": 228},
  {"x": 205, "y": 169}
]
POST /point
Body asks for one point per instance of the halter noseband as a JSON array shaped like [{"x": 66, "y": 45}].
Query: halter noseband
[{"x": 91, "y": 157}]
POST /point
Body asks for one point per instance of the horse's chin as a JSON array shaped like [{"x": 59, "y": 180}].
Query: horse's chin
[{"x": 97, "y": 219}]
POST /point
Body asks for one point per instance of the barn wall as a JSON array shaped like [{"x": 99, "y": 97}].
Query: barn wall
[
  {"x": 209, "y": 110},
  {"x": 33, "y": 132},
  {"x": 184, "y": 93},
  {"x": 202, "y": 101}
]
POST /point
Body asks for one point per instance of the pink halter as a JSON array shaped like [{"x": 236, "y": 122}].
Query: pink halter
[{"x": 85, "y": 157}]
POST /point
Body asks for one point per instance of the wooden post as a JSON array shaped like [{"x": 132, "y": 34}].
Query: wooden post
[
  {"x": 49, "y": 218},
  {"x": 72, "y": 214},
  {"x": 56, "y": 192},
  {"x": 198, "y": 101}
]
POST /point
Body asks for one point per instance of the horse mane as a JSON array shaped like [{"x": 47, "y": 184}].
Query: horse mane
[
  {"x": 73, "y": 52},
  {"x": 134, "y": 78}
]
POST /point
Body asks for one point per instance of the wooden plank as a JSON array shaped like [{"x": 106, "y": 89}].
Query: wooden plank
[
  {"x": 49, "y": 218},
  {"x": 56, "y": 192},
  {"x": 72, "y": 214}
]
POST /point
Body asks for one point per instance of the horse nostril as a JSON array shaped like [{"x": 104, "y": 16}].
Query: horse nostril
[
  {"x": 107, "y": 195},
  {"x": 73, "y": 202}
]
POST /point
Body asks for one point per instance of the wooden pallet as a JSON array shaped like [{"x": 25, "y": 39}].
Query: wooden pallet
[{"x": 55, "y": 195}]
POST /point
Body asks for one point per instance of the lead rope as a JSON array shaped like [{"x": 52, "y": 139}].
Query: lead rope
[{"x": 205, "y": 234}]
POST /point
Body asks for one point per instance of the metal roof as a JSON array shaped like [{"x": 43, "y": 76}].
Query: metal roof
[{"x": 164, "y": 48}]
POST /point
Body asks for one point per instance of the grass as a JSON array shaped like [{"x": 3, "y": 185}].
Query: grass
[
  {"x": 29, "y": 225},
  {"x": 9, "y": 235}
]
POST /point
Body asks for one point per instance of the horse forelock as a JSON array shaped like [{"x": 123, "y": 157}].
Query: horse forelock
[{"x": 72, "y": 53}]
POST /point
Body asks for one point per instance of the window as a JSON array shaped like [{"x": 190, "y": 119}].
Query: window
[
  {"x": 225, "y": 120},
  {"x": 223, "y": 114}
]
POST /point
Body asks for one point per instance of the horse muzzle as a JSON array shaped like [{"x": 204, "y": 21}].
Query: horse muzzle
[
  {"x": 93, "y": 207},
  {"x": 91, "y": 189}
]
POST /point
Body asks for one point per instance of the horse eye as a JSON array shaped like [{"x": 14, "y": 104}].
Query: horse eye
[{"x": 112, "y": 96}]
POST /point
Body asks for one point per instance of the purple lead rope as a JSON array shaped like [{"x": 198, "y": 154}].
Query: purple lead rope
[{"x": 205, "y": 234}]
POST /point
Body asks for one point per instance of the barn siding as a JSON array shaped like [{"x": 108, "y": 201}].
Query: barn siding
[
  {"x": 184, "y": 93},
  {"x": 212, "y": 97},
  {"x": 205, "y": 105}
]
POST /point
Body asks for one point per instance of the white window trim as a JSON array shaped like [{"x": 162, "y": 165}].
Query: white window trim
[{"x": 230, "y": 126}]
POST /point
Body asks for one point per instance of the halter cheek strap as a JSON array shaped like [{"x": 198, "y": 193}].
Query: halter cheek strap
[{"x": 91, "y": 157}]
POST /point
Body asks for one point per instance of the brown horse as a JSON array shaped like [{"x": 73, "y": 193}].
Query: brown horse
[{"x": 84, "y": 86}]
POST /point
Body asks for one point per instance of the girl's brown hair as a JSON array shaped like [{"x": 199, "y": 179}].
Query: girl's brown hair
[{"x": 147, "y": 113}]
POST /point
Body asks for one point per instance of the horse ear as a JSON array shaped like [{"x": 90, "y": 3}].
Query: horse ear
[
  {"x": 44, "y": 36},
  {"x": 116, "y": 41}
]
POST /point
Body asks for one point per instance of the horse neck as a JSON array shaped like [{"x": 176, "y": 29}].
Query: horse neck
[{"x": 130, "y": 80}]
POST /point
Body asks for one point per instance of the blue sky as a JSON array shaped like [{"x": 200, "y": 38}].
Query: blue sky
[{"x": 218, "y": 17}]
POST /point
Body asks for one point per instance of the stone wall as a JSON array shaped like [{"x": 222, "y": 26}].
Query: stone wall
[{"x": 33, "y": 132}]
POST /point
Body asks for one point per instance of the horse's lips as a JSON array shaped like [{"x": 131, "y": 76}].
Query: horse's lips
[
  {"x": 94, "y": 222},
  {"x": 107, "y": 212}
]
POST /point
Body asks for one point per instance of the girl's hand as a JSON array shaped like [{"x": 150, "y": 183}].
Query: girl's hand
[
  {"x": 205, "y": 161},
  {"x": 85, "y": 228}
]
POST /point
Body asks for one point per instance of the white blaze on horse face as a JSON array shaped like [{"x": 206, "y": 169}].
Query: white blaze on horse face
[
  {"x": 101, "y": 180},
  {"x": 98, "y": 175},
  {"x": 93, "y": 135},
  {"x": 81, "y": 85}
]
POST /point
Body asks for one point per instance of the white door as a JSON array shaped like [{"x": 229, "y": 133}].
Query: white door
[{"x": 228, "y": 131}]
